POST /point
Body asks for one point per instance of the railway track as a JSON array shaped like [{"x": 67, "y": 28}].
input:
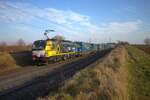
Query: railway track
[{"x": 38, "y": 81}]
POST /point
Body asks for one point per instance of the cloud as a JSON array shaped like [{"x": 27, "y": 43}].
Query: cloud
[
  {"x": 22, "y": 11},
  {"x": 73, "y": 23},
  {"x": 124, "y": 31},
  {"x": 121, "y": 27},
  {"x": 11, "y": 13}
]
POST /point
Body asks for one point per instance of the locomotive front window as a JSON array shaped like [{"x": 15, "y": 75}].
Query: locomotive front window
[{"x": 38, "y": 45}]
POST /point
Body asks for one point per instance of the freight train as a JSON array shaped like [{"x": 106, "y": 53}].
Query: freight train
[
  {"x": 47, "y": 50},
  {"x": 54, "y": 50}
]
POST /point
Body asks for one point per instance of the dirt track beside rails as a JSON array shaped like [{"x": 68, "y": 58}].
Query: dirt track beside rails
[{"x": 31, "y": 82}]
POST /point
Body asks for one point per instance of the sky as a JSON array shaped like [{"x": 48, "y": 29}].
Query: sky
[{"x": 97, "y": 21}]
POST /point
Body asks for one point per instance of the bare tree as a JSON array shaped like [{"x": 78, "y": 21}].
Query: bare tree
[
  {"x": 58, "y": 37},
  {"x": 147, "y": 41},
  {"x": 21, "y": 42},
  {"x": 3, "y": 44}
]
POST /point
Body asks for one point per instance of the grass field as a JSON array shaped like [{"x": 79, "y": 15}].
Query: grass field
[
  {"x": 15, "y": 48},
  {"x": 145, "y": 48},
  {"x": 122, "y": 75},
  {"x": 139, "y": 74}
]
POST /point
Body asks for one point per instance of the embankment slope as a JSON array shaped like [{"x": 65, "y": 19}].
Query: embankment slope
[{"x": 6, "y": 62}]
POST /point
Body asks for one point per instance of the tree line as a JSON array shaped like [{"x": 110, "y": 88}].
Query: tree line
[{"x": 18, "y": 46}]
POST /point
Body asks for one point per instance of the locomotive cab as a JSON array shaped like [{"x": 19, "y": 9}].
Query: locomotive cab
[{"x": 42, "y": 49}]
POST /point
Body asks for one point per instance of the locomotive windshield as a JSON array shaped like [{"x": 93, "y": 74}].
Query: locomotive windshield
[{"x": 39, "y": 45}]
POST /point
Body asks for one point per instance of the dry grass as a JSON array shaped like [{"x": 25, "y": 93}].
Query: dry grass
[
  {"x": 106, "y": 81},
  {"x": 14, "y": 48},
  {"x": 6, "y": 62}
]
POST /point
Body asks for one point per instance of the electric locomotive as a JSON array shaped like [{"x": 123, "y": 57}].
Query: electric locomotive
[{"x": 54, "y": 49}]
